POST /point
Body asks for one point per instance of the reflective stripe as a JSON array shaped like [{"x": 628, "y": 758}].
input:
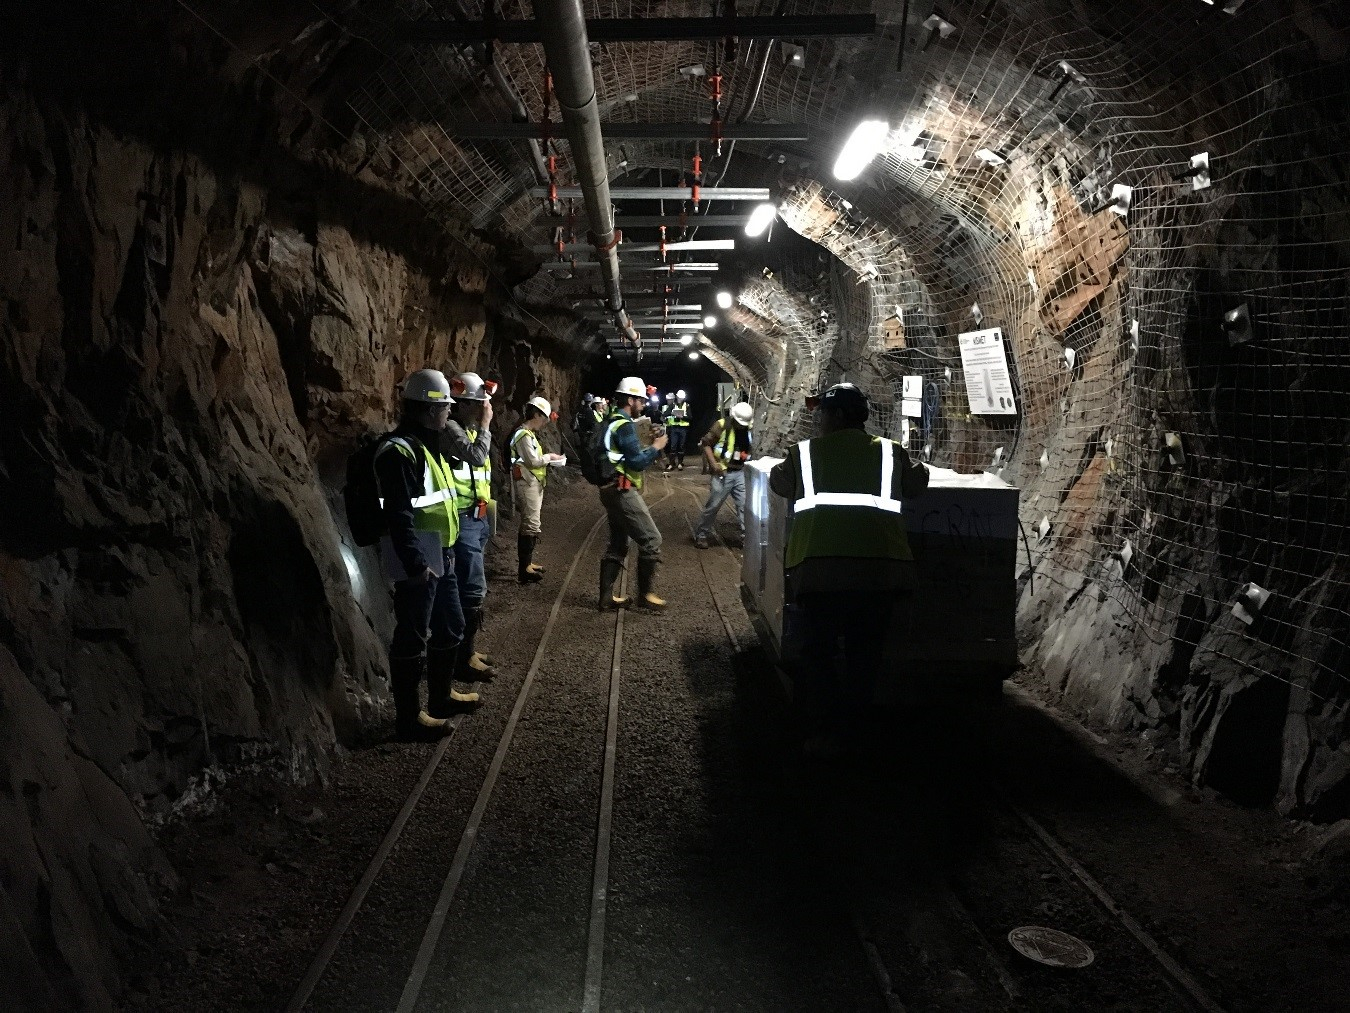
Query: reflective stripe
[
  {"x": 811, "y": 499},
  {"x": 425, "y": 501}
]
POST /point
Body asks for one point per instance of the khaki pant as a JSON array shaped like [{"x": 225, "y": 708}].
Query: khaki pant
[
  {"x": 629, "y": 518},
  {"x": 529, "y": 501}
]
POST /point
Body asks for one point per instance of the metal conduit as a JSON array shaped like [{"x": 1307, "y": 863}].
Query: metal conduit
[{"x": 568, "y": 52}]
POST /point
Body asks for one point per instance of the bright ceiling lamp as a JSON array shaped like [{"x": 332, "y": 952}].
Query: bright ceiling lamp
[
  {"x": 709, "y": 321},
  {"x": 760, "y": 219},
  {"x": 693, "y": 355},
  {"x": 724, "y": 300},
  {"x": 686, "y": 339},
  {"x": 863, "y": 145}
]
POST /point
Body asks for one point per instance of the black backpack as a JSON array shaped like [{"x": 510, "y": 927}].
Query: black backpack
[
  {"x": 361, "y": 494},
  {"x": 595, "y": 465}
]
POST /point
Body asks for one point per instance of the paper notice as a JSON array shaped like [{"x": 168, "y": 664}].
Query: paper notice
[{"x": 984, "y": 360}]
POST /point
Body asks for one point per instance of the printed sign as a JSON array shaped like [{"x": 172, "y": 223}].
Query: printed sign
[{"x": 984, "y": 361}]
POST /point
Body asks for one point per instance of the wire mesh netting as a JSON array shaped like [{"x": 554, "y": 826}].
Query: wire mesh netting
[{"x": 1150, "y": 200}]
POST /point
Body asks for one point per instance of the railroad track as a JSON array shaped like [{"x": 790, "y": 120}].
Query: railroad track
[
  {"x": 996, "y": 960},
  {"x": 435, "y": 929}
]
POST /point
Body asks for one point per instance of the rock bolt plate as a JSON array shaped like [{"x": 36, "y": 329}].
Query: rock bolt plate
[{"x": 1050, "y": 946}]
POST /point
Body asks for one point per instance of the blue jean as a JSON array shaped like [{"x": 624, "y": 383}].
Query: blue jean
[
  {"x": 427, "y": 614},
  {"x": 731, "y": 484},
  {"x": 678, "y": 435}
]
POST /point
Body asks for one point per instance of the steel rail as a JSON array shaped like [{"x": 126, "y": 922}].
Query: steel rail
[
  {"x": 314, "y": 973},
  {"x": 436, "y": 924}
]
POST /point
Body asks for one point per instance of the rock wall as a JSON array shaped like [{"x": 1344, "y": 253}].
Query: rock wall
[{"x": 186, "y": 357}]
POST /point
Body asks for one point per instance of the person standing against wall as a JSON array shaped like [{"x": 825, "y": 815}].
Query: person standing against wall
[
  {"x": 529, "y": 477},
  {"x": 421, "y": 516},
  {"x": 622, "y": 499},
  {"x": 726, "y": 448},
  {"x": 469, "y": 444},
  {"x": 848, "y": 560}
]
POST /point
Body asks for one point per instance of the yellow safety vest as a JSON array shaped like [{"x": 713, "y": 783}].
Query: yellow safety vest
[
  {"x": 681, "y": 420},
  {"x": 615, "y": 455},
  {"x": 518, "y": 460},
  {"x": 472, "y": 485},
  {"x": 846, "y": 507},
  {"x": 434, "y": 510},
  {"x": 725, "y": 448}
]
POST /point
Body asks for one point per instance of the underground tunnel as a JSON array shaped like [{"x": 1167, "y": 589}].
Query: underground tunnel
[{"x": 1085, "y": 262}]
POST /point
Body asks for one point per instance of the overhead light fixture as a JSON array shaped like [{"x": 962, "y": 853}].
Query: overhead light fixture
[
  {"x": 693, "y": 355},
  {"x": 709, "y": 321},
  {"x": 863, "y": 145},
  {"x": 760, "y": 219},
  {"x": 686, "y": 339},
  {"x": 724, "y": 300}
]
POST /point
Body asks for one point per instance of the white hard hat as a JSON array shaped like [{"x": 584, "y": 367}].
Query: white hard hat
[
  {"x": 632, "y": 386},
  {"x": 590, "y": 399},
  {"x": 429, "y": 386},
  {"x": 670, "y": 397},
  {"x": 742, "y": 414},
  {"x": 544, "y": 407},
  {"x": 471, "y": 387}
]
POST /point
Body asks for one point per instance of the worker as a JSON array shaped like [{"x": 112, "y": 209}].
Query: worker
[
  {"x": 848, "y": 558},
  {"x": 472, "y": 417},
  {"x": 675, "y": 417},
  {"x": 422, "y": 521},
  {"x": 726, "y": 448},
  {"x": 586, "y": 418},
  {"x": 529, "y": 476},
  {"x": 622, "y": 499}
]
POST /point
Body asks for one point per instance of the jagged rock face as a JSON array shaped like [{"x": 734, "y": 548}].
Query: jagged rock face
[{"x": 186, "y": 362}]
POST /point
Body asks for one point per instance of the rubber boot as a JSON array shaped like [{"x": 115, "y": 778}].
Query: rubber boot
[
  {"x": 411, "y": 722},
  {"x": 526, "y": 571},
  {"x": 443, "y": 700},
  {"x": 471, "y": 665},
  {"x": 647, "y": 596},
  {"x": 609, "y": 574}
]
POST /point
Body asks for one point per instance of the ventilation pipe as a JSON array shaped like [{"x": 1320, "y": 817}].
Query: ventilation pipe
[{"x": 568, "y": 52}]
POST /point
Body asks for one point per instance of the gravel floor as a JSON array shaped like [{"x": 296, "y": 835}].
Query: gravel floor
[{"x": 742, "y": 877}]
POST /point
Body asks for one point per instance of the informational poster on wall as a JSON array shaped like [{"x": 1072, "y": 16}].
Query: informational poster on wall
[{"x": 984, "y": 359}]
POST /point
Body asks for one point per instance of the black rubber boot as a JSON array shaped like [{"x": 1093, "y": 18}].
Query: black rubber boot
[
  {"x": 443, "y": 700},
  {"x": 647, "y": 596},
  {"x": 609, "y": 575},
  {"x": 470, "y": 665},
  {"x": 411, "y": 722},
  {"x": 527, "y": 572}
]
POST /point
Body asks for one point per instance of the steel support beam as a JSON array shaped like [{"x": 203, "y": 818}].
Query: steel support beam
[
  {"x": 675, "y": 247},
  {"x": 664, "y": 192},
  {"x": 691, "y": 221},
  {"x": 636, "y": 131},
  {"x": 810, "y": 26}
]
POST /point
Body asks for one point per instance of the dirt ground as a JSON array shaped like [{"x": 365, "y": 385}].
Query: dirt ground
[{"x": 742, "y": 874}]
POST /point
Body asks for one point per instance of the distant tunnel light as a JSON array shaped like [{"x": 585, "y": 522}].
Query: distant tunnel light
[
  {"x": 686, "y": 339},
  {"x": 693, "y": 355},
  {"x": 724, "y": 300},
  {"x": 863, "y": 145},
  {"x": 710, "y": 321},
  {"x": 760, "y": 219}
]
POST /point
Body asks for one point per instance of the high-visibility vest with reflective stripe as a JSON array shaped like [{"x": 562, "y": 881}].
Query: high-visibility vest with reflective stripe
[
  {"x": 846, "y": 507},
  {"x": 681, "y": 420},
  {"x": 518, "y": 459},
  {"x": 472, "y": 485},
  {"x": 615, "y": 454},
  {"x": 435, "y": 509},
  {"x": 725, "y": 448}
]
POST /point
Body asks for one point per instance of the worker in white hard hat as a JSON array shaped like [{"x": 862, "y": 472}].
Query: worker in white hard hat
[
  {"x": 848, "y": 559},
  {"x": 587, "y": 418},
  {"x": 622, "y": 498},
  {"x": 422, "y": 519},
  {"x": 726, "y": 448},
  {"x": 529, "y": 477},
  {"x": 472, "y": 473},
  {"x": 675, "y": 417}
]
